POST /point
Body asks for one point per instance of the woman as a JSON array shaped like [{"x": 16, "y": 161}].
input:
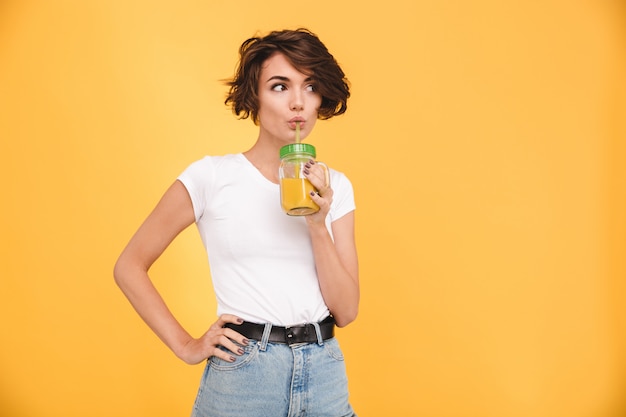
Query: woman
[{"x": 282, "y": 282}]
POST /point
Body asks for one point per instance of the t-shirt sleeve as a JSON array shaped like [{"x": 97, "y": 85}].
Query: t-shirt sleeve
[
  {"x": 197, "y": 179},
  {"x": 343, "y": 196}
]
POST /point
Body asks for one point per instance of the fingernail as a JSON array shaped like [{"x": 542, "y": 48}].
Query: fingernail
[
  {"x": 312, "y": 193},
  {"x": 245, "y": 342},
  {"x": 311, "y": 161},
  {"x": 306, "y": 171},
  {"x": 233, "y": 359},
  {"x": 240, "y": 351},
  {"x": 239, "y": 320}
]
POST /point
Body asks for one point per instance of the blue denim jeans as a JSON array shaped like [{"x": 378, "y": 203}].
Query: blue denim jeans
[{"x": 276, "y": 380}]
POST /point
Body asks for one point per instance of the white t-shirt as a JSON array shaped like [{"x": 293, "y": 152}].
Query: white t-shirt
[{"x": 261, "y": 259}]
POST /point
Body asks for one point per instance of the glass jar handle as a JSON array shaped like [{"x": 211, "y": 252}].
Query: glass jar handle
[{"x": 326, "y": 173}]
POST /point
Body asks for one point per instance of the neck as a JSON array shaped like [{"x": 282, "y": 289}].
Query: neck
[{"x": 265, "y": 157}]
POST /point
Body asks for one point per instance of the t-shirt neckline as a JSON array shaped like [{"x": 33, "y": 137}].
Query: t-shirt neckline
[{"x": 257, "y": 174}]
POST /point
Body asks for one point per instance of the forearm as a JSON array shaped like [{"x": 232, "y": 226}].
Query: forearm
[
  {"x": 338, "y": 279},
  {"x": 146, "y": 300}
]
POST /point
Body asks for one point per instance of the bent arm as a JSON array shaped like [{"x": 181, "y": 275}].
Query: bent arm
[
  {"x": 337, "y": 267},
  {"x": 173, "y": 213}
]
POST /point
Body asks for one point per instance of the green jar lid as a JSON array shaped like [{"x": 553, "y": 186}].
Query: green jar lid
[{"x": 297, "y": 148}]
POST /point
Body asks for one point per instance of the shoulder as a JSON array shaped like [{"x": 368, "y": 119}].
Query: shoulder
[
  {"x": 216, "y": 160},
  {"x": 339, "y": 181},
  {"x": 343, "y": 195},
  {"x": 209, "y": 163}
]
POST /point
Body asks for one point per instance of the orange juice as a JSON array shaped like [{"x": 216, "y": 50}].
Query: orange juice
[{"x": 295, "y": 196}]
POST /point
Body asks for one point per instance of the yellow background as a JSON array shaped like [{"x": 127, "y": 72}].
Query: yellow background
[{"x": 486, "y": 143}]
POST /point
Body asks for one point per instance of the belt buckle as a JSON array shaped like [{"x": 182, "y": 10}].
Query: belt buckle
[{"x": 293, "y": 336}]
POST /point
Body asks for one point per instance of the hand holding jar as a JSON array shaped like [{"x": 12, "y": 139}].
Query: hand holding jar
[{"x": 297, "y": 192}]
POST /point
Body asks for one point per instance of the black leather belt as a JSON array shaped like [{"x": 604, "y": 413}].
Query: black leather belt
[{"x": 301, "y": 333}]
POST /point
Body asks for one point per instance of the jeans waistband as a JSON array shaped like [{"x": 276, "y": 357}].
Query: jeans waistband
[{"x": 301, "y": 333}]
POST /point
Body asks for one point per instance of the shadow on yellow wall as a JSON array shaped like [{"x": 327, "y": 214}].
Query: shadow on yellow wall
[{"x": 486, "y": 144}]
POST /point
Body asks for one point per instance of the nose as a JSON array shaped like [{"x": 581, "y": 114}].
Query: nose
[{"x": 297, "y": 101}]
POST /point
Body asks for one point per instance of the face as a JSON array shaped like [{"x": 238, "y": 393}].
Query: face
[{"x": 286, "y": 96}]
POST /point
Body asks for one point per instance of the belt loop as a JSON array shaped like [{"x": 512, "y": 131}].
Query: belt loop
[
  {"x": 266, "y": 335},
  {"x": 320, "y": 340}
]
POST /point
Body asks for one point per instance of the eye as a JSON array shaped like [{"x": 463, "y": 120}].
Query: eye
[
  {"x": 311, "y": 88},
  {"x": 279, "y": 87}
]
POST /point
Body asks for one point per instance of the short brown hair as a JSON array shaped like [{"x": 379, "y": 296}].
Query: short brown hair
[{"x": 306, "y": 53}]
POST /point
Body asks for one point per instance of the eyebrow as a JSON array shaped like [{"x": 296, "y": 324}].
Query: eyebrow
[{"x": 283, "y": 78}]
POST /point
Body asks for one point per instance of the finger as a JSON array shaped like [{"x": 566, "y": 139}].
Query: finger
[
  {"x": 315, "y": 174},
  {"x": 227, "y": 318},
  {"x": 325, "y": 191},
  {"x": 322, "y": 201},
  {"x": 323, "y": 194},
  {"x": 232, "y": 334},
  {"x": 230, "y": 345},
  {"x": 319, "y": 185},
  {"x": 222, "y": 346},
  {"x": 320, "y": 175},
  {"x": 222, "y": 354}
]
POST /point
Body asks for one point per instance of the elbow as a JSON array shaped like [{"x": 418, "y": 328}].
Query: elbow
[
  {"x": 119, "y": 273},
  {"x": 128, "y": 271},
  {"x": 346, "y": 317}
]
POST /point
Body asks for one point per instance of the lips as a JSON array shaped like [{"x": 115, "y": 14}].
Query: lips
[{"x": 292, "y": 122}]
